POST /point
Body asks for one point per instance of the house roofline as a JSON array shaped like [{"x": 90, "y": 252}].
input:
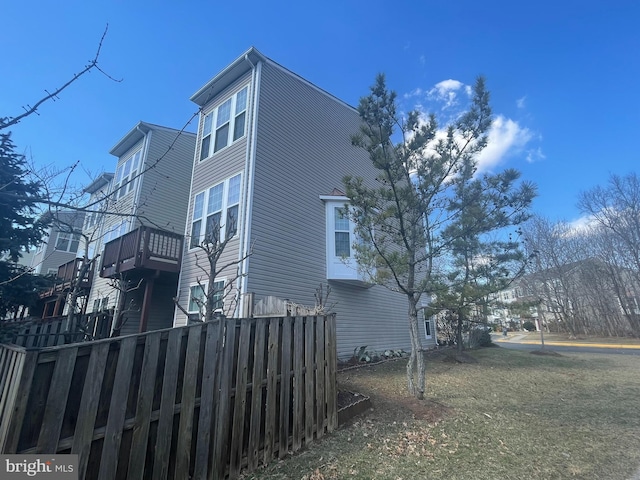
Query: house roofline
[
  {"x": 98, "y": 183},
  {"x": 239, "y": 67},
  {"x": 137, "y": 133}
]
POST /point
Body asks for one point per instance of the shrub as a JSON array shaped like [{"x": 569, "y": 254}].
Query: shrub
[
  {"x": 480, "y": 337},
  {"x": 529, "y": 326}
]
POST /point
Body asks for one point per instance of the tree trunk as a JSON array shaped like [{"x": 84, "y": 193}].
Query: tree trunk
[
  {"x": 459, "y": 326},
  {"x": 415, "y": 379}
]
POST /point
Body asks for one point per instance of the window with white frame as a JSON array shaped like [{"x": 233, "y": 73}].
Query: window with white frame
[
  {"x": 224, "y": 125},
  {"x": 125, "y": 179},
  {"x": 68, "y": 242},
  {"x": 342, "y": 232},
  {"x": 198, "y": 298},
  {"x": 427, "y": 329},
  {"x": 220, "y": 217},
  {"x": 340, "y": 239}
]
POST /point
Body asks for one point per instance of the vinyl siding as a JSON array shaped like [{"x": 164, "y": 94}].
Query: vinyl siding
[
  {"x": 161, "y": 198},
  {"x": 303, "y": 151},
  {"x": 164, "y": 189},
  {"x": 206, "y": 173}
]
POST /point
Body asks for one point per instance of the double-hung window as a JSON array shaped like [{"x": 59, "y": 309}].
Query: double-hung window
[
  {"x": 68, "y": 242},
  {"x": 219, "y": 220},
  {"x": 224, "y": 125},
  {"x": 198, "y": 298},
  {"x": 197, "y": 220},
  {"x": 125, "y": 180},
  {"x": 342, "y": 232}
]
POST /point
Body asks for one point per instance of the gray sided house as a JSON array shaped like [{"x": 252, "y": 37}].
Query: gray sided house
[
  {"x": 54, "y": 255},
  {"x": 272, "y": 149},
  {"x": 137, "y": 228},
  {"x": 60, "y": 244}
]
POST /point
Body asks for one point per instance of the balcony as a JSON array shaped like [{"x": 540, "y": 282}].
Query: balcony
[
  {"x": 142, "y": 249},
  {"x": 67, "y": 276}
]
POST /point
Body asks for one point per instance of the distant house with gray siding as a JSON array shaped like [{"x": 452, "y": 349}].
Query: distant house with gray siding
[
  {"x": 138, "y": 225},
  {"x": 271, "y": 151},
  {"x": 60, "y": 244}
]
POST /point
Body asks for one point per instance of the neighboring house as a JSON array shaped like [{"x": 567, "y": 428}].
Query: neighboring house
[
  {"x": 56, "y": 255},
  {"x": 60, "y": 244},
  {"x": 272, "y": 150},
  {"x": 138, "y": 225}
]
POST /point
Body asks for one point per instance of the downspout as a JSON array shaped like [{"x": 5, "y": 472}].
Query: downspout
[{"x": 249, "y": 172}]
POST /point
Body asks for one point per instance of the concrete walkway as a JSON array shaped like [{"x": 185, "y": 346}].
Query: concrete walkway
[{"x": 520, "y": 338}]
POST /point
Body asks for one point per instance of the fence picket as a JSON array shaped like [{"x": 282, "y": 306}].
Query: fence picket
[
  {"x": 298, "y": 389},
  {"x": 167, "y": 402},
  {"x": 270, "y": 422},
  {"x": 285, "y": 387},
  {"x": 89, "y": 405},
  {"x": 221, "y": 438},
  {"x": 239, "y": 409},
  {"x": 320, "y": 379},
  {"x": 117, "y": 409},
  {"x": 56, "y": 401},
  {"x": 207, "y": 400},
  {"x": 187, "y": 403},
  {"x": 141, "y": 425},
  {"x": 256, "y": 394},
  {"x": 309, "y": 379}
]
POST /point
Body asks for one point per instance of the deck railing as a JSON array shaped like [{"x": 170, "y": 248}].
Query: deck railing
[
  {"x": 143, "y": 248},
  {"x": 66, "y": 277}
]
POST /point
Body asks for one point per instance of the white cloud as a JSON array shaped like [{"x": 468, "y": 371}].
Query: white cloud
[
  {"x": 506, "y": 136},
  {"x": 521, "y": 102},
  {"x": 446, "y": 91},
  {"x": 582, "y": 223},
  {"x": 414, "y": 93},
  {"x": 534, "y": 155}
]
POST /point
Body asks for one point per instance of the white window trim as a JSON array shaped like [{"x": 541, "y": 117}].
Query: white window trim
[
  {"x": 339, "y": 267},
  {"x": 224, "y": 209},
  {"x": 205, "y": 286},
  {"x": 71, "y": 238},
  {"x": 118, "y": 180},
  {"x": 213, "y": 115}
]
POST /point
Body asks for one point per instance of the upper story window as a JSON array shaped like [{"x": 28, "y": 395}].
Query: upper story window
[
  {"x": 68, "y": 242},
  {"x": 224, "y": 125},
  {"x": 217, "y": 209},
  {"x": 125, "y": 180}
]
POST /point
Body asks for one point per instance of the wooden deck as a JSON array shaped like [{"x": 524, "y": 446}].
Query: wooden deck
[
  {"x": 67, "y": 276},
  {"x": 142, "y": 249}
]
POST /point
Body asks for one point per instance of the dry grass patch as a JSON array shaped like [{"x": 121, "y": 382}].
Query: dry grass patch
[{"x": 512, "y": 415}]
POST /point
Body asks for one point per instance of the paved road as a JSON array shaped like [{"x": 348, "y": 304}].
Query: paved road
[{"x": 518, "y": 342}]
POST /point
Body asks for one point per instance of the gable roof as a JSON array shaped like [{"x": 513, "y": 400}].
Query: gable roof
[
  {"x": 136, "y": 134},
  {"x": 98, "y": 182},
  {"x": 241, "y": 65}
]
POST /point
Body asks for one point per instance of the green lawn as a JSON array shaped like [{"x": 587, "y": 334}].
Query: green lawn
[{"x": 512, "y": 415}]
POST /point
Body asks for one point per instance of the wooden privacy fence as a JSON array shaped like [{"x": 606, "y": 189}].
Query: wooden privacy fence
[
  {"x": 50, "y": 332},
  {"x": 201, "y": 401}
]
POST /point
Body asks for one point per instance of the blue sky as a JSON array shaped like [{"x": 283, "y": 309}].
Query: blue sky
[{"x": 563, "y": 75}]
